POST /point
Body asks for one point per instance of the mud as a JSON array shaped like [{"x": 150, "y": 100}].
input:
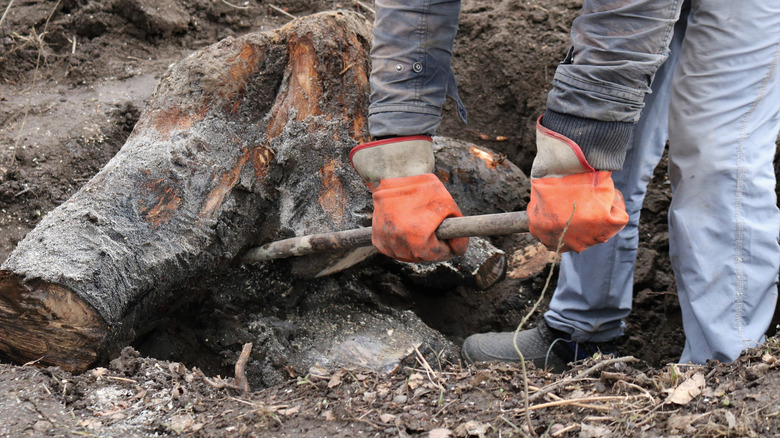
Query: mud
[{"x": 74, "y": 77}]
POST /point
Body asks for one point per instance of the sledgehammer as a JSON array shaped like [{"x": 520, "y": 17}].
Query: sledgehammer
[{"x": 468, "y": 226}]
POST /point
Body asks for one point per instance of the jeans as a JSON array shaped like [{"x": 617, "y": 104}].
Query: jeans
[{"x": 411, "y": 74}]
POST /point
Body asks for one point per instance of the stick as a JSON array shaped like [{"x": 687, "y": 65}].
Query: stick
[
  {"x": 365, "y": 6},
  {"x": 241, "y": 381},
  {"x": 282, "y": 11},
  {"x": 577, "y": 401},
  {"x": 234, "y": 6},
  {"x": 485, "y": 225},
  {"x": 7, "y": 8},
  {"x": 587, "y": 372},
  {"x": 528, "y": 315}
]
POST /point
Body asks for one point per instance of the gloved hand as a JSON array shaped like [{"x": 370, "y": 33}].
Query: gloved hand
[
  {"x": 409, "y": 200},
  {"x": 561, "y": 179}
]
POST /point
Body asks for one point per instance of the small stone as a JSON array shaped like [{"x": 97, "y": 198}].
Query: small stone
[{"x": 42, "y": 426}]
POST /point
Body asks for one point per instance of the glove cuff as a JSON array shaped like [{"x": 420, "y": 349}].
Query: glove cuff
[
  {"x": 603, "y": 143},
  {"x": 556, "y": 155},
  {"x": 393, "y": 158}
]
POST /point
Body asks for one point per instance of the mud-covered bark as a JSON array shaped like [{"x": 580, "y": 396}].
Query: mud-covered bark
[{"x": 233, "y": 134}]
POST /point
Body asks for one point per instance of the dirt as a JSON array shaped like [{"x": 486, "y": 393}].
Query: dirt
[{"x": 74, "y": 77}]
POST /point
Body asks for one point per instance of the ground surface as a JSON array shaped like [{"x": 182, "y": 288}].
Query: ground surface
[{"x": 75, "y": 75}]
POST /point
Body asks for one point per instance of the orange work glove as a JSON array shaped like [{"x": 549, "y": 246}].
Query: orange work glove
[
  {"x": 562, "y": 181},
  {"x": 410, "y": 202}
]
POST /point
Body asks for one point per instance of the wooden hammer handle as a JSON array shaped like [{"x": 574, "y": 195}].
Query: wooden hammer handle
[{"x": 483, "y": 225}]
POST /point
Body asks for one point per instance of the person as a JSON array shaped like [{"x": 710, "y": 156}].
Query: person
[{"x": 702, "y": 74}]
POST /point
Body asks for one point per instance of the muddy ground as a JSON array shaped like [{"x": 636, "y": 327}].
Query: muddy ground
[{"x": 74, "y": 77}]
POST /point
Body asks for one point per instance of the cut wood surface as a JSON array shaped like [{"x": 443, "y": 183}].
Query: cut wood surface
[
  {"x": 482, "y": 266},
  {"x": 244, "y": 142}
]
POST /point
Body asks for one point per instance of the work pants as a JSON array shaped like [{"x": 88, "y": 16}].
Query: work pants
[{"x": 717, "y": 101}]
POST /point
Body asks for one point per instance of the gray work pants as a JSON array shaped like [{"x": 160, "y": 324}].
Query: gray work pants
[{"x": 717, "y": 101}]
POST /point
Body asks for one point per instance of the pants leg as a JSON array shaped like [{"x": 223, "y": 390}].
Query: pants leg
[
  {"x": 724, "y": 221},
  {"x": 595, "y": 287},
  {"x": 411, "y": 57}
]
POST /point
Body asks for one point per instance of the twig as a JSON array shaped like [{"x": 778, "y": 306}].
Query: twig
[
  {"x": 589, "y": 371},
  {"x": 444, "y": 408},
  {"x": 282, "y": 11},
  {"x": 7, "y": 8},
  {"x": 575, "y": 401},
  {"x": 565, "y": 429},
  {"x": 217, "y": 383},
  {"x": 341, "y": 73},
  {"x": 514, "y": 426},
  {"x": 26, "y": 189},
  {"x": 528, "y": 315},
  {"x": 122, "y": 379},
  {"x": 241, "y": 381},
  {"x": 431, "y": 374},
  {"x": 33, "y": 362},
  {"x": 365, "y": 6},
  {"x": 428, "y": 370},
  {"x": 234, "y": 6},
  {"x": 646, "y": 392},
  {"x": 368, "y": 422}
]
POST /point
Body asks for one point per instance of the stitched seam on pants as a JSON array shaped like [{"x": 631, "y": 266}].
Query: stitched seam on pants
[
  {"x": 738, "y": 218},
  {"x": 423, "y": 30}
]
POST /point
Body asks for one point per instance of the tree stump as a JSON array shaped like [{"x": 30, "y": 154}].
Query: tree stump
[
  {"x": 202, "y": 176},
  {"x": 244, "y": 142}
]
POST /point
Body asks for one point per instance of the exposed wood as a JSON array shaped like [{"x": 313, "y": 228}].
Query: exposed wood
[
  {"x": 530, "y": 259},
  {"x": 349, "y": 260},
  {"x": 482, "y": 266},
  {"x": 44, "y": 320}
]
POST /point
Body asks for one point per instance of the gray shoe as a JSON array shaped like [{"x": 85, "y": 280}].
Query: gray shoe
[{"x": 547, "y": 348}]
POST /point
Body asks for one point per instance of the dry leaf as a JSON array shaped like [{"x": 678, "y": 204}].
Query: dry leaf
[
  {"x": 290, "y": 411},
  {"x": 440, "y": 433},
  {"x": 682, "y": 423},
  {"x": 731, "y": 419},
  {"x": 181, "y": 423},
  {"x": 99, "y": 373},
  {"x": 472, "y": 428},
  {"x": 591, "y": 431},
  {"x": 687, "y": 390},
  {"x": 91, "y": 423},
  {"x": 335, "y": 379},
  {"x": 415, "y": 380}
]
